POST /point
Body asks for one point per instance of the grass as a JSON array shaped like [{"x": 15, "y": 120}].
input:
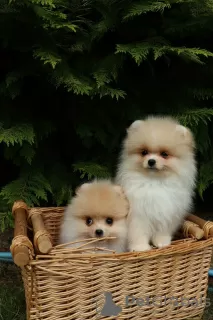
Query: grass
[
  {"x": 12, "y": 303},
  {"x": 12, "y": 299},
  {"x": 208, "y": 315}
]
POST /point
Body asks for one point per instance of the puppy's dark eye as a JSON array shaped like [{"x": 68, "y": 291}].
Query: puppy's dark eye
[
  {"x": 164, "y": 154},
  {"x": 109, "y": 221},
  {"x": 89, "y": 221},
  {"x": 144, "y": 152}
]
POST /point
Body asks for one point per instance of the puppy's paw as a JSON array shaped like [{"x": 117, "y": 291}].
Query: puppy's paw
[
  {"x": 161, "y": 241},
  {"x": 140, "y": 247}
]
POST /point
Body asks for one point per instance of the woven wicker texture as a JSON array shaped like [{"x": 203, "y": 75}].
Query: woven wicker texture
[
  {"x": 162, "y": 284},
  {"x": 52, "y": 218}
]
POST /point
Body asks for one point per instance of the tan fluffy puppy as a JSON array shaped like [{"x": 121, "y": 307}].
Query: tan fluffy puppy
[{"x": 98, "y": 210}]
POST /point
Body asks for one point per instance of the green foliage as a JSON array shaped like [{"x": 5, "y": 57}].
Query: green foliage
[
  {"x": 141, "y": 51},
  {"x": 47, "y": 57},
  {"x": 205, "y": 177},
  {"x": 203, "y": 94},
  {"x": 6, "y": 219},
  {"x": 192, "y": 118},
  {"x": 49, "y": 3},
  {"x": 74, "y": 83},
  {"x": 17, "y": 134},
  {"x": 75, "y": 74},
  {"x": 31, "y": 188},
  {"x": 143, "y": 7},
  {"x": 197, "y": 120},
  {"x": 92, "y": 170}
]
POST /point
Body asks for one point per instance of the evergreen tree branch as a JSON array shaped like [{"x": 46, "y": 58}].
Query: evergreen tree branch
[
  {"x": 31, "y": 188},
  {"x": 17, "y": 134},
  {"x": 140, "y": 51},
  {"x": 91, "y": 170},
  {"x": 143, "y": 7}
]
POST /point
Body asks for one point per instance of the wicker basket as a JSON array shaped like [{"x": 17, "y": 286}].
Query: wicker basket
[{"x": 75, "y": 284}]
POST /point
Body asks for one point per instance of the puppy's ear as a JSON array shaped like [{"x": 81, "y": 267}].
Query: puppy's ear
[
  {"x": 120, "y": 191},
  {"x": 81, "y": 188},
  {"x": 135, "y": 125},
  {"x": 182, "y": 130},
  {"x": 186, "y": 135}
]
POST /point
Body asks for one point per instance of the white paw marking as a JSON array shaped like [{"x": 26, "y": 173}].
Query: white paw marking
[
  {"x": 143, "y": 247},
  {"x": 161, "y": 241}
]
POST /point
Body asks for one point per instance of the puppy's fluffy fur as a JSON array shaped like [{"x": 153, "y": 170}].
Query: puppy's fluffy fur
[
  {"x": 160, "y": 192},
  {"x": 99, "y": 205}
]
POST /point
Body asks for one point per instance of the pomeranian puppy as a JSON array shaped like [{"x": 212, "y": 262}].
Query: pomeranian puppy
[
  {"x": 98, "y": 210},
  {"x": 157, "y": 171}
]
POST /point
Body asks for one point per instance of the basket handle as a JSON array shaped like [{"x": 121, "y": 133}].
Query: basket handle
[
  {"x": 42, "y": 239},
  {"x": 207, "y": 226},
  {"x": 190, "y": 228},
  {"x": 21, "y": 245}
]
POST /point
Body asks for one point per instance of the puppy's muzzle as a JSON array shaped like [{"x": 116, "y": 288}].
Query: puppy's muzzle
[
  {"x": 151, "y": 163},
  {"x": 99, "y": 233}
]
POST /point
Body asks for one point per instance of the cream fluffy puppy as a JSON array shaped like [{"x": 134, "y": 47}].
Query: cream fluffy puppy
[
  {"x": 157, "y": 171},
  {"x": 98, "y": 210}
]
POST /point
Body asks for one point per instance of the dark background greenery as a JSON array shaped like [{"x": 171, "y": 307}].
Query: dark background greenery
[{"x": 75, "y": 74}]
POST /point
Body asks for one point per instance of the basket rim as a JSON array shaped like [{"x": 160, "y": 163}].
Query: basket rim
[
  {"x": 176, "y": 247},
  {"x": 85, "y": 255},
  {"x": 184, "y": 247}
]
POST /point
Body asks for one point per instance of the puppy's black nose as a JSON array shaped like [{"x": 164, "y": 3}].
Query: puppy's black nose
[
  {"x": 151, "y": 162},
  {"x": 99, "y": 232}
]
